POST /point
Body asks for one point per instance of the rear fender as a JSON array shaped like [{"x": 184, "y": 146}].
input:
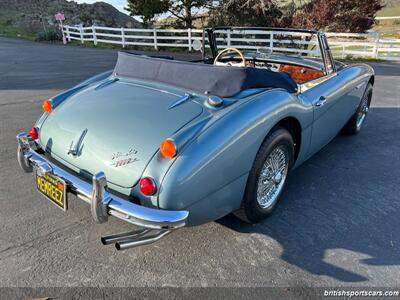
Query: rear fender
[
  {"x": 158, "y": 165},
  {"x": 59, "y": 98},
  {"x": 221, "y": 157}
]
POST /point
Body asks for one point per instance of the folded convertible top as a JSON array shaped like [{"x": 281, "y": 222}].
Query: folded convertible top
[{"x": 201, "y": 78}]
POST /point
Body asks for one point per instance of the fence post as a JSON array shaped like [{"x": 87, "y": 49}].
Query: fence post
[
  {"x": 68, "y": 35},
  {"x": 228, "y": 37},
  {"x": 81, "y": 32},
  {"x": 94, "y": 35},
  {"x": 271, "y": 41},
  {"x": 376, "y": 46},
  {"x": 190, "y": 38},
  {"x": 155, "y": 38},
  {"x": 123, "y": 37},
  {"x": 64, "y": 40}
]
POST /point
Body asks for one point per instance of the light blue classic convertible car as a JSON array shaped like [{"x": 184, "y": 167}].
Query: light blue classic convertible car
[{"x": 164, "y": 144}]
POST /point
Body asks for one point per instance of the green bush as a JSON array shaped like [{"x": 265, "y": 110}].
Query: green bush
[{"x": 50, "y": 35}]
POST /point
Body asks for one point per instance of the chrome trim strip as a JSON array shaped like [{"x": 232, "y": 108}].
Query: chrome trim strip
[
  {"x": 75, "y": 146},
  {"x": 310, "y": 84},
  {"x": 146, "y": 86},
  {"x": 103, "y": 203},
  {"x": 181, "y": 100}
]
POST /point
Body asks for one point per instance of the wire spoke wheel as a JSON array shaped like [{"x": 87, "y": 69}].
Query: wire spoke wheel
[
  {"x": 272, "y": 177},
  {"x": 363, "y": 112},
  {"x": 356, "y": 122},
  {"x": 267, "y": 178}
]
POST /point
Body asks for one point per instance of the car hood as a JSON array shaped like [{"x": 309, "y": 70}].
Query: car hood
[{"x": 118, "y": 126}]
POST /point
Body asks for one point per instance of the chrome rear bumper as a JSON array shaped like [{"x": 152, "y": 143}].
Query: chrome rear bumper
[{"x": 103, "y": 203}]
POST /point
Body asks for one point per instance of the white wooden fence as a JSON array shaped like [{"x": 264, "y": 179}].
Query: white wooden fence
[
  {"x": 388, "y": 18},
  {"x": 344, "y": 45}
]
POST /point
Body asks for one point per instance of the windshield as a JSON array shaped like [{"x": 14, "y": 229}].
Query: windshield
[{"x": 269, "y": 42}]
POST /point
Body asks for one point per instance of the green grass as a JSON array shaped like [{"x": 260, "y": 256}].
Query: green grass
[
  {"x": 92, "y": 45},
  {"x": 392, "y": 9},
  {"x": 109, "y": 46},
  {"x": 361, "y": 59},
  {"x": 389, "y": 11},
  {"x": 8, "y": 29},
  {"x": 11, "y": 31},
  {"x": 128, "y": 47},
  {"x": 388, "y": 25}
]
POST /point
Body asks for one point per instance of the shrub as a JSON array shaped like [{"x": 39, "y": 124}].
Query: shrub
[
  {"x": 338, "y": 15},
  {"x": 51, "y": 35}
]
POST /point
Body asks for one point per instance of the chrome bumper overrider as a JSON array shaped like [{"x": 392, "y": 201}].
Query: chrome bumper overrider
[{"x": 153, "y": 223}]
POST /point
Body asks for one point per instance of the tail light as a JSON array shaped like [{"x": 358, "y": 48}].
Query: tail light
[
  {"x": 34, "y": 133},
  {"x": 147, "y": 186},
  {"x": 47, "y": 106},
  {"x": 168, "y": 148}
]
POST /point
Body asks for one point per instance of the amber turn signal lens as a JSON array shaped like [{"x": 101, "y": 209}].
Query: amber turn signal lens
[
  {"x": 47, "y": 106},
  {"x": 168, "y": 149}
]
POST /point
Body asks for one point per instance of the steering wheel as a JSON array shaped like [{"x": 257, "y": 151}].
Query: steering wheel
[{"x": 242, "y": 63}]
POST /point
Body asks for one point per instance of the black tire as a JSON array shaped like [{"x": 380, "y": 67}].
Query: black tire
[
  {"x": 250, "y": 210},
  {"x": 353, "y": 127}
]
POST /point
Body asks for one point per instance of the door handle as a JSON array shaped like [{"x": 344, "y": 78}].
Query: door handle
[{"x": 321, "y": 101}]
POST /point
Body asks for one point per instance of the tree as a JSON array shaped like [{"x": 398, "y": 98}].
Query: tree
[
  {"x": 147, "y": 9},
  {"x": 35, "y": 9},
  {"x": 328, "y": 15},
  {"x": 185, "y": 11},
  {"x": 337, "y": 15},
  {"x": 246, "y": 13}
]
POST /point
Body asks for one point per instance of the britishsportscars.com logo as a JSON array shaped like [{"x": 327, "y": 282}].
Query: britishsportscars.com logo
[{"x": 361, "y": 293}]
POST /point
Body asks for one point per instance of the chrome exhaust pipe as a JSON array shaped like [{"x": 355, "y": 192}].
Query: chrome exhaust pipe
[
  {"x": 143, "y": 240},
  {"x": 110, "y": 239}
]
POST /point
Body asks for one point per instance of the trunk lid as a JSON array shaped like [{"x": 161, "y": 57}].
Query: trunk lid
[{"x": 120, "y": 125}]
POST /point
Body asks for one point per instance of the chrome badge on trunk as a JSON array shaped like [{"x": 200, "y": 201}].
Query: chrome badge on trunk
[{"x": 119, "y": 159}]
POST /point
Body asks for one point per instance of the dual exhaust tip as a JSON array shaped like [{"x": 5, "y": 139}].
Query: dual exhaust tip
[{"x": 136, "y": 238}]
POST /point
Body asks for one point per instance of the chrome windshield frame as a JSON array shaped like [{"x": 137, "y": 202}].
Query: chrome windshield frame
[{"x": 326, "y": 54}]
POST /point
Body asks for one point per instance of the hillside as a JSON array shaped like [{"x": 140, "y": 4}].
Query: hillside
[
  {"x": 25, "y": 15},
  {"x": 392, "y": 8}
]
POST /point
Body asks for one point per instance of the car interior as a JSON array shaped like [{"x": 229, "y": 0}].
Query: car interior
[
  {"x": 302, "y": 54},
  {"x": 301, "y": 72},
  {"x": 230, "y": 71}
]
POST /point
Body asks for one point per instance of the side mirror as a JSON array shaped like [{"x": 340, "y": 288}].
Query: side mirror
[{"x": 197, "y": 45}]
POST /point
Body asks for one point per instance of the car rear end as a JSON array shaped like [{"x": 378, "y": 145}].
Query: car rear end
[{"x": 113, "y": 127}]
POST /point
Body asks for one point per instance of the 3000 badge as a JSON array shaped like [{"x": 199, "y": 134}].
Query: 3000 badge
[{"x": 52, "y": 188}]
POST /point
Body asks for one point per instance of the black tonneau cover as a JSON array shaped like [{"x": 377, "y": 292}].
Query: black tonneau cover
[{"x": 198, "y": 77}]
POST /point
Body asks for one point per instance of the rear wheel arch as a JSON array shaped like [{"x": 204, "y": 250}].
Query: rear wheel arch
[
  {"x": 353, "y": 126},
  {"x": 372, "y": 80},
  {"x": 254, "y": 207},
  {"x": 293, "y": 126}
]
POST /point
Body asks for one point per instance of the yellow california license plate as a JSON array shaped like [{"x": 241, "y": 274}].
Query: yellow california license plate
[{"x": 53, "y": 188}]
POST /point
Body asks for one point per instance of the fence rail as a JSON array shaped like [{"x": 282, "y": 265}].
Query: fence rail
[
  {"x": 388, "y": 18},
  {"x": 344, "y": 45}
]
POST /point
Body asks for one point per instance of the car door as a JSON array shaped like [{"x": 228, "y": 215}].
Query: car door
[
  {"x": 327, "y": 100},
  {"x": 332, "y": 100}
]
